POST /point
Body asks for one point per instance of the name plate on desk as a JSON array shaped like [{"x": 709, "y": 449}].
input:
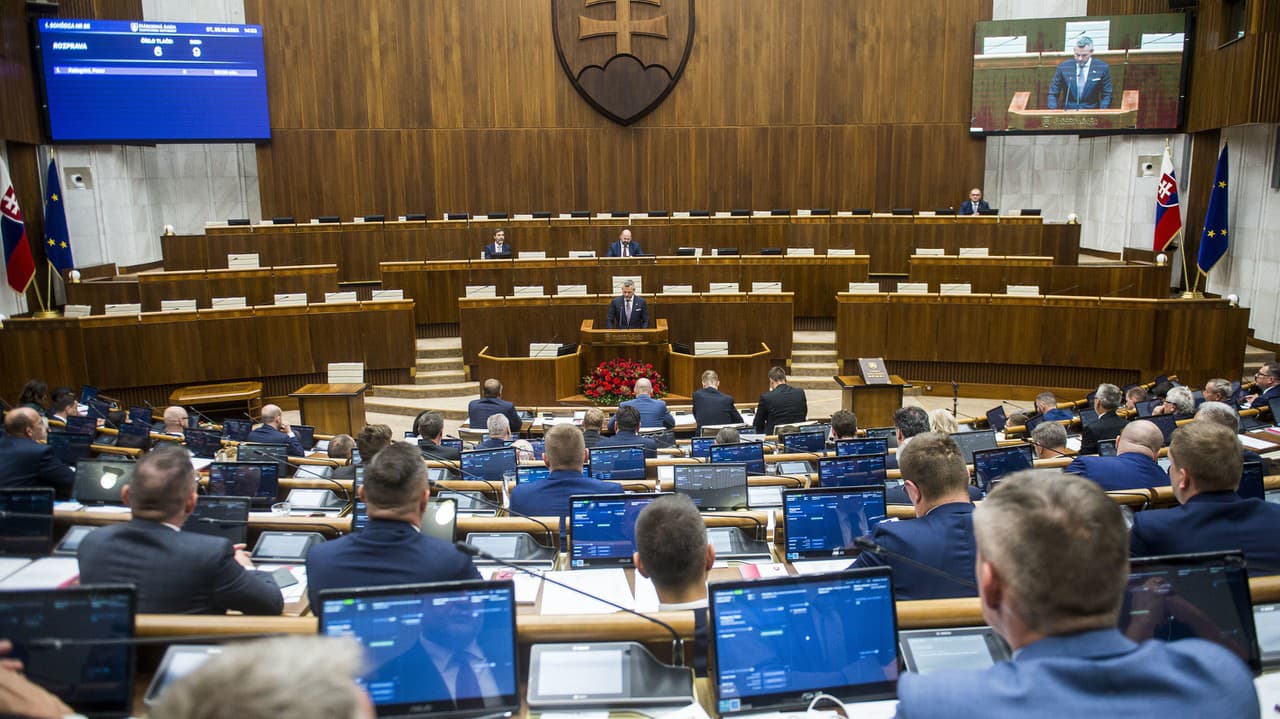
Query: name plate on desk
[
  {"x": 873, "y": 370},
  {"x": 766, "y": 287},
  {"x": 955, "y": 288},
  {"x": 723, "y": 288},
  {"x": 975, "y": 252},
  {"x": 913, "y": 288},
  {"x": 1022, "y": 290},
  {"x": 841, "y": 252},
  {"x": 571, "y": 289},
  {"x": 864, "y": 288},
  {"x": 481, "y": 291}
]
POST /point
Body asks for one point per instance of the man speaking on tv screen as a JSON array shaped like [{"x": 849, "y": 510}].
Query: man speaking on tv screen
[{"x": 1083, "y": 83}]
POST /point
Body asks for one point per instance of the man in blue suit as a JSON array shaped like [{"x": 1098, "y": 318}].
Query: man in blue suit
[
  {"x": 1133, "y": 467},
  {"x": 275, "y": 430},
  {"x": 628, "y": 311},
  {"x": 564, "y": 454},
  {"x": 392, "y": 548},
  {"x": 498, "y": 249},
  {"x": 1047, "y": 406},
  {"x": 25, "y": 461},
  {"x": 1082, "y": 83},
  {"x": 491, "y": 403},
  {"x": 975, "y": 204},
  {"x": 627, "y": 421},
  {"x": 1058, "y": 611},
  {"x": 941, "y": 536},
  {"x": 711, "y": 406},
  {"x": 1204, "y": 470},
  {"x": 1267, "y": 379},
  {"x": 624, "y": 246},
  {"x": 653, "y": 412}
]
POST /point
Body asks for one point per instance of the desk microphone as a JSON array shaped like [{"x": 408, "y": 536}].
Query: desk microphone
[
  {"x": 1023, "y": 410},
  {"x": 1063, "y": 290},
  {"x": 202, "y": 416},
  {"x": 57, "y": 644},
  {"x": 866, "y": 544},
  {"x": 522, "y": 515},
  {"x": 1119, "y": 292},
  {"x": 300, "y": 468},
  {"x": 677, "y": 642}
]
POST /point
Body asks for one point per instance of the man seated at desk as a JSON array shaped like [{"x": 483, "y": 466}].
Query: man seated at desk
[
  {"x": 392, "y": 548},
  {"x": 176, "y": 572},
  {"x": 628, "y": 311},
  {"x": 624, "y": 246},
  {"x": 275, "y": 430},
  {"x": 340, "y": 448},
  {"x": 64, "y": 405},
  {"x": 975, "y": 204},
  {"x": 175, "y": 422},
  {"x": 1047, "y": 406},
  {"x": 907, "y": 423},
  {"x": 672, "y": 551},
  {"x": 1133, "y": 467},
  {"x": 564, "y": 453},
  {"x": 782, "y": 404},
  {"x": 372, "y": 439},
  {"x": 711, "y": 406},
  {"x": 430, "y": 430},
  {"x": 653, "y": 412},
  {"x": 627, "y": 422},
  {"x": 498, "y": 249},
  {"x": 1266, "y": 386},
  {"x": 1050, "y": 440},
  {"x": 489, "y": 404},
  {"x": 1106, "y": 400},
  {"x": 25, "y": 461},
  {"x": 592, "y": 424}
]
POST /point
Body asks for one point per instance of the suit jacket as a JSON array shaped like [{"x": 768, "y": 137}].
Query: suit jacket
[
  {"x": 480, "y": 410},
  {"x": 1265, "y": 397},
  {"x": 711, "y": 406},
  {"x": 591, "y": 437},
  {"x": 898, "y": 494},
  {"x": 1212, "y": 522},
  {"x": 1123, "y": 471},
  {"x": 387, "y": 552},
  {"x": 942, "y": 539},
  {"x": 615, "y": 249},
  {"x": 653, "y": 413},
  {"x": 27, "y": 463},
  {"x": 550, "y": 497},
  {"x": 491, "y": 253},
  {"x": 630, "y": 439},
  {"x": 1057, "y": 414},
  {"x": 431, "y": 450},
  {"x": 176, "y": 572},
  {"x": 618, "y": 314},
  {"x": 780, "y": 405},
  {"x": 966, "y": 207},
  {"x": 267, "y": 434},
  {"x": 1107, "y": 426},
  {"x": 1097, "y": 88},
  {"x": 1099, "y": 673}
]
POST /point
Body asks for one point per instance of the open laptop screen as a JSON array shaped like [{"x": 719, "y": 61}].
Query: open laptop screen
[
  {"x": 797, "y": 442},
  {"x": 862, "y": 469},
  {"x": 1251, "y": 480},
  {"x": 750, "y": 453},
  {"x": 95, "y": 679},
  {"x": 870, "y": 445},
  {"x": 306, "y": 435},
  {"x": 968, "y": 442},
  {"x": 713, "y": 487},
  {"x": 99, "y": 481},
  {"x": 70, "y": 447},
  {"x": 823, "y": 523},
  {"x": 83, "y": 425},
  {"x": 220, "y": 517},
  {"x": 991, "y": 464},
  {"x": 602, "y": 528},
  {"x": 488, "y": 464},
  {"x": 1106, "y": 448},
  {"x": 1192, "y": 595},
  {"x": 408, "y": 632},
  {"x": 526, "y": 474},
  {"x": 236, "y": 430},
  {"x": 203, "y": 443},
  {"x": 260, "y": 481},
  {"x": 26, "y": 529},
  {"x": 777, "y": 642},
  {"x": 996, "y": 418},
  {"x": 700, "y": 447},
  {"x": 1267, "y": 619},
  {"x": 617, "y": 463}
]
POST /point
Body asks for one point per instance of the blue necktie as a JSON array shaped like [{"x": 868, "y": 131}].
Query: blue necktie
[{"x": 466, "y": 692}]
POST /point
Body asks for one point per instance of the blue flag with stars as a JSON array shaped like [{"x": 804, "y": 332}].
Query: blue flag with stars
[
  {"x": 1213, "y": 243},
  {"x": 57, "y": 240}
]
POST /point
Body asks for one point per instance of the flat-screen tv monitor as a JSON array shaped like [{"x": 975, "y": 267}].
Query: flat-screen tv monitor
[
  {"x": 488, "y": 464},
  {"x": 712, "y": 487},
  {"x": 989, "y": 465},
  {"x": 852, "y": 470},
  {"x": 968, "y": 442},
  {"x": 868, "y": 445},
  {"x": 260, "y": 481},
  {"x": 749, "y": 453},
  {"x": 801, "y": 442},
  {"x": 602, "y": 529},
  {"x": 70, "y": 447},
  {"x": 221, "y": 516},
  {"x": 823, "y": 523},
  {"x": 115, "y": 81},
  {"x": 26, "y": 529},
  {"x": 1076, "y": 75},
  {"x": 236, "y": 430},
  {"x": 616, "y": 463}
]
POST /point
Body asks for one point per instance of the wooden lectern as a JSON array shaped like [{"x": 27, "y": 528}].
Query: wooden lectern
[
  {"x": 332, "y": 408},
  {"x": 647, "y": 345},
  {"x": 874, "y": 404},
  {"x": 1023, "y": 118}
]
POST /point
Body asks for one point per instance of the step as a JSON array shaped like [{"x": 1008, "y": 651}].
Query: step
[
  {"x": 814, "y": 356},
  {"x": 439, "y": 347},
  {"x": 813, "y": 336},
  {"x": 439, "y": 364},
  {"x": 414, "y": 391},
  {"x": 813, "y": 382},
  {"x": 814, "y": 369},
  {"x": 411, "y": 408},
  {"x": 799, "y": 346},
  {"x": 439, "y": 377}
]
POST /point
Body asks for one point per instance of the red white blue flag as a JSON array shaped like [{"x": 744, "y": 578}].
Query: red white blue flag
[
  {"x": 1168, "y": 214},
  {"x": 19, "y": 265}
]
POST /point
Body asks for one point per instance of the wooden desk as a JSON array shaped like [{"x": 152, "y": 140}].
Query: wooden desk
[
  {"x": 872, "y": 404},
  {"x": 332, "y": 408},
  {"x": 209, "y": 396},
  {"x": 993, "y": 275}
]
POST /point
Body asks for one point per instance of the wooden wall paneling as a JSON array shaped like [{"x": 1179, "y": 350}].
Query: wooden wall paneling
[
  {"x": 21, "y": 121},
  {"x": 411, "y": 278},
  {"x": 229, "y": 343},
  {"x": 336, "y": 320},
  {"x": 1060, "y": 241},
  {"x": 811, "y": 231},
  {"x": 169, "y": 346},
  {"x": 1019, "y": 334},
  {"x": 360, "y": 249},
  {"x": 862, "y": 327},
  {"x": 499, "y": 273},
  {"x": 566, "y": 235},
  {"x": 404, "y": 241},
  {"x": 101, "y": 9},
  {"x": 1072, "y": 328},
  {"x": 1126, "y": 334},
  {"x": 387, "y": 334},
  {"x": 223, "y": 241},
  {"x": 283, "y": 340},
  {"x": 444, "y": 288},
  {"x": 1197, "y": 337},
  {"x": 314, "y": 280},
  {"x": 184, "y": 252},
  {"x": 50, "y": 350},
  {"x": 254, "y": 285},
  {"x": 114, "y": 346},
  {"x": 913, "y": 328},
  {"x": 99, "y": 293},
  {"x": 1019, "y": 235},
  {"x": 964, "y": 331},
  {"x": 155, "y": 287}
]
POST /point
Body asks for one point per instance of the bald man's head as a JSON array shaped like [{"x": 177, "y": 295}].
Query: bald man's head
[
  {"x": 1141, "y": 436},
  {"x": 643, "y": 387},
  {"x": 23, "y": 422}
]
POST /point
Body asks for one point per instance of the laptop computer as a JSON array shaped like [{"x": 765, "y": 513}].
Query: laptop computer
[
  {"x": 822, "y": 523},
  {"x": 880, "y": 432},
  {"x": 400, "y": 628},
  {"x": 1106, "y": 448},
  {"x": 925, "y": 651},
  {"x": 260, "y": 481},
  {"x": 134, "y": 435},
  {"x": 989, "y": 465},
  {"x": 602, "y": 528},
  {"x": 852, "y": 470},
  {"x": 236, "y": 430},
  {"x": 526, "y": 474},
  {"x": 140, "y": 415},
  {"x": 203, "y": 443},
  {"x": 996, "y": 418},
  {"x": 99, "y": 481},
  {"x": 70, "y": 447},
  {"x": 488, "y": 465},
  {"x": 804, "y": 442},
  {"x": 255, "y": 452},
  {"x": 616, "y": 463},
  {"x": 94, "y": 679},
  {"x": 712, "y": 487},
  {"x": 69, "y": 545},
  {"x": 777, "y": 643},
  {"x": 749, "y": 453},
  {"x": 306, "y": 435},
  {"x": 1192, "y": 595},
  {"x": 1251, "y": 480},
  {"x": 440, "y": 520},
  {"x": 1088, "y": 416},
  {"x": 700, "y": 447},
  {"x": 179, "y": 661},
  {"x": 1147, "y": 406},
  {"x": 87, "y": 392},
  {"x": 26, "y": 527},
  {"x": 1266, "y": 619},
  {"x": 220, "y": 517},
  {"x": 970, "y": 441},
  {"x": 1167, "y": 424},
  {"x": 83, "y": 425},
  {"x": 871, "y": 445}
]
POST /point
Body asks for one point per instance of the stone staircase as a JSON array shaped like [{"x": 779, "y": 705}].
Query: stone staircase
[
  {"x": 439, "y": 383},
  {"x": 813, "y": 360}
]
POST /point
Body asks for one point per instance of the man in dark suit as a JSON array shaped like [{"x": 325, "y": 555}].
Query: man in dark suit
[
  {"x": 392, "y": 548},
  {"x": 1052, "y": 568},
  {"x": 1267, "y": 379},
  {"x": 781, "y": 404},
  {"x": 628, "y": 311},
  {"x": 1106, "y": 400},
  {"x": 1047, "y": 406},
  {"x": 711, "y": 406},
  {"x": 25, "y": 461},
  {"x": 673, "y": 552},
  {"x": 936, "y": 480},
  {"x": 340, "y": 448},
  {"x": 975, "y": 204},
  {"x": 491, "y": 403},
  {"x": 275, "y": 430},
  {"x": 627, "y": 422},
  {"x": 1082, "y": 83},
  {"x": 1134, "y": 466},
  {"x": 564, "y": 454},
  {"x": 498, "y": 248},
  {"x": 624, "y": 246},
  {"x": 653, "y": 412},
  {"x": 592, "y": 424},
  {"x": 430, "y": 430},
  {"x": 1204, "y": 471},
  {"x": 176, "y": 572}
]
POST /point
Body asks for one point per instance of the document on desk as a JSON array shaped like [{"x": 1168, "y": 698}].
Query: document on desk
[
  {"x": 1257, "y": 444},
  {"x": 47, "y": 573},
  {"x": 1268, "y": 687},
  {"x": 527, "y": 585},
  {"x": 819, "y": 566},
  {"x": 9, "y": 565},
  {"x": 646, "y": 594},
  {"x": 610, "y": 584}
]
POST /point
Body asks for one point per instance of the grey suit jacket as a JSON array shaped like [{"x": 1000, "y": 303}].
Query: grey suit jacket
[{"x": 176, "y": 572}]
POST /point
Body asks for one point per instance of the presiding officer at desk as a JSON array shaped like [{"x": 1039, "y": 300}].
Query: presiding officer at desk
[
  {"x": 498, "y": 249},
  {"x": 392, "y": 548},
  {"x": 975, "y": 204},
  {"x": 25, "y": 461},
  {"x": 274, "y": 430},
  {"x": 628, "y": 311},
  {"x": 176, "y": 572},
  {"x": 1058, "y": 611},
  {"x": 624, "y": 247}
]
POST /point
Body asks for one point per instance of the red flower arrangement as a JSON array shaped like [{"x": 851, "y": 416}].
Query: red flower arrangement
[{"x": 614, "y": 381}]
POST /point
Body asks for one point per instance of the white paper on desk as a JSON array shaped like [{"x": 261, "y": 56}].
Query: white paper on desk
[
  {"x": 69, "y": 506},
  {"x": 198, "y": 464},
  {"x": 1255, "y": 443},
  {"x": 693, "y": 710},
  {"x": 47, "y": 573},
  {"x": 1268, "y": 687},
  {"x": 646, "y": 594},
  {"x": 1073, "y": 444},
  {"x": 608, "y": 584},
  {"x": 110, "y": 509},
  {"x": 527, "y": 585},
  {"x": 574, "y": 715},
  {"x": 9, "y": 565},
  {"x": 819, "y": 566}
]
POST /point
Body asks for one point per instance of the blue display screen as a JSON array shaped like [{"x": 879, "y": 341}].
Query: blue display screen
[
  {"x": 117, "y": 81},
  {"x": 862, "y": 469},
  {"x": 749, "y": 453},
  {"x": 488, "y": 464},
  {"x": 602, "y": 528},
  {"x": 872, "y": 445},
  {"x": 701, "y": 447},
  {"x": 528, "y": 474},
  {"x": 991, "y": 464},
  {"x": 804, "y": 442},
  {"x": 618, "y": 463},
  {"x": 823, "y": 523}
]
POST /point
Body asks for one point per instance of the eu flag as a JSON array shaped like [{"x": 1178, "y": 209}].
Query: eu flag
[
  {"x": 1213, "y": 243},
  {"x": 57, "y": 240}
]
